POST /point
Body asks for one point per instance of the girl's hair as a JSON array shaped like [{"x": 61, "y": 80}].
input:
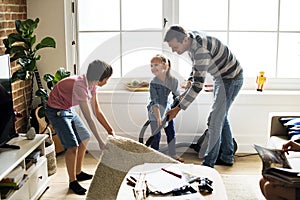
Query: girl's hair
[
  {"x": 98, "y": 71},
  {"x": 164, "y": 60}
]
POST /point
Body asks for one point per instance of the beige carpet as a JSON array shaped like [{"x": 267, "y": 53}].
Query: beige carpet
[
  {"x": 242, "y": 187},
  {"x": 114, "y": 163}
]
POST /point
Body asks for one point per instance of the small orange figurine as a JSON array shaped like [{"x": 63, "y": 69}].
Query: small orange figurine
[{"x": 260, "y": 80}]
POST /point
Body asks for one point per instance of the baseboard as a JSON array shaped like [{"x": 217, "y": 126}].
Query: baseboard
[{"x": 242, "y": 141}]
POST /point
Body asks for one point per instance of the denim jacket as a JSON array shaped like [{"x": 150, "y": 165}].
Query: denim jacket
[{"x": 159, "y": 94}]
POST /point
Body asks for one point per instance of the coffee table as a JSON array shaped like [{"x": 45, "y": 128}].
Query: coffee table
[{"x": 219, "y": 191}]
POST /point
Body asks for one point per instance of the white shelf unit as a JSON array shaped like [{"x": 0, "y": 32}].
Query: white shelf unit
[{"x": 38, "y": 180}]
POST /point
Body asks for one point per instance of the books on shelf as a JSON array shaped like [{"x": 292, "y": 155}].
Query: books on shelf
[
  {"x": 33, "y": 158},
  {"x": 5, "y": 192},
  {"x": 15, "y": 175},
  {"x": 15, "y": 179},
  {"x": 8, "y": 188},
  {"x": 13, "y": 184},
  {"x": 276, "y": 165}
]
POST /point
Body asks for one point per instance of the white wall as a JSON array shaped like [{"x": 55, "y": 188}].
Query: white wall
[
  {"x": 55, "y": 22},
  {"x": 126, "y": 111},
  {"x": 52, "y": 23}
]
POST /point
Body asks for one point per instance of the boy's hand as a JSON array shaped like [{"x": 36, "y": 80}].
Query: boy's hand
[
  {"x": 102, "y": 146},
  {"x": 111, "y": 133}
]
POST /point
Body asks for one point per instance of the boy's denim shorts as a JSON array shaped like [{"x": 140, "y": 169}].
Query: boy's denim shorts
[{"x": 69, "y": 127}]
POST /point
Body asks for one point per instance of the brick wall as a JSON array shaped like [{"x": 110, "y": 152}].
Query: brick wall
[{"x": 11, "y": 10}]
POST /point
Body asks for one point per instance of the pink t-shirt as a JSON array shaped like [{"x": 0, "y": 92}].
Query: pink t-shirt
[{"x": 69, "y": 92}]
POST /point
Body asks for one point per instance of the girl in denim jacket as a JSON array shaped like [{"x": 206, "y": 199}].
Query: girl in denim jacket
[{"x": 162, "y": 84}]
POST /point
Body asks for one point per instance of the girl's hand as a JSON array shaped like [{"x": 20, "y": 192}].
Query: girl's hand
[{"x": 159, "y": 122}]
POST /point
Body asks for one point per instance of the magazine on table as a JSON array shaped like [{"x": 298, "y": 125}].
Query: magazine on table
[{"x": 275, "y": 165}]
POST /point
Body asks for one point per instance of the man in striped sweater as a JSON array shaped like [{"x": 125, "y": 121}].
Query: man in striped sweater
[{"x": 209, "y": 55}]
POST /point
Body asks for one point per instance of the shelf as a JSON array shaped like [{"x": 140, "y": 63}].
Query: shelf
[
  {"x": 11, "y": 158},
  {"x": 37, "y": 180}
]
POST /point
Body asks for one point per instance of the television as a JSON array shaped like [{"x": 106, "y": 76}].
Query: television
[{"x": 7, "y": 114}]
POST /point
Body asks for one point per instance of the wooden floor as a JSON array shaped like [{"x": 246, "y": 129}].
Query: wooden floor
[{"x": 58, "y": 190}]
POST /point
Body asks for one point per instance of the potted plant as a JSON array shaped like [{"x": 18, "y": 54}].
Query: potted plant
[
  {"x": 23, "y": 48},
  {"x": 51, "y": 80}
]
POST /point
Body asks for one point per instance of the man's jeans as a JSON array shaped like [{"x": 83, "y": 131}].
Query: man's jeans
[{"x": 219, "y": 132}]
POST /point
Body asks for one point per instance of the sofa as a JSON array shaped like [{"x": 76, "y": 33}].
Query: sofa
[{"x": 278, "y": 135}]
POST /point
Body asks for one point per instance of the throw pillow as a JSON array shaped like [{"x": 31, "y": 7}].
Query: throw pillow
[{"x": 292, "y": 124}]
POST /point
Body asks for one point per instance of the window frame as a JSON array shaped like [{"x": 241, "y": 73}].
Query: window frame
[{"x": 173, "y": 18}]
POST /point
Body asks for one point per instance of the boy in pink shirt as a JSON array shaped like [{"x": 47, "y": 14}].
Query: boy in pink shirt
[{"x": 73, "y": 91}]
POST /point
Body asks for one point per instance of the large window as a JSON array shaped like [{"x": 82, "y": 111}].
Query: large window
[
  {"x": 124, "y": 33},
  {"x": 264, "y": 34}
]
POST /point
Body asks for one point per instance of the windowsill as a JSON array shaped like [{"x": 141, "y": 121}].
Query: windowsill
[
  {"x": 249, "y": 86},
  {"x": 245, "y": 97},
  {"x": 247, "y": 92}
]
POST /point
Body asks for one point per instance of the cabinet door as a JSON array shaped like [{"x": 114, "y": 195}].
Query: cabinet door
[{"x": 38, "y": 178}]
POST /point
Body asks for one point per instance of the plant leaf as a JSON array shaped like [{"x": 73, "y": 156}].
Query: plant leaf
[
  {"x": 41, "y": 93},
  {"x": 13, "y": 38},
  {"x": 18, "y": 25},
  {"x": 28, "y": 26},
  {"x": 49, "y": 80},
  {"x": 19, "y": 50},
  {"x": 46, "y": 42},
  {"x": 60, "y": 74},
  {"x": 19, "y": 74}
]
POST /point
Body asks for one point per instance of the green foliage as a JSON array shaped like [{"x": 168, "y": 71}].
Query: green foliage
[
  {"x": 22, "y": 47},
  {"x": 51, "y": 80}
]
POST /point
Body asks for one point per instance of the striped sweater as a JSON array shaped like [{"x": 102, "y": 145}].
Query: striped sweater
[{"x": 208, "y": 55}]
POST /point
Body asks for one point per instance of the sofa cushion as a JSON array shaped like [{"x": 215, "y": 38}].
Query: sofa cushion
[
  {"x": 279, "y": 135},
  {"x": 284, "y": 120},
  {"x": 290, "y": 123}
]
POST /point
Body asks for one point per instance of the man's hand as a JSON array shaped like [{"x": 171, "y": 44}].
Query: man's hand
[
  {"x": 173, "y": 113},
  {"x": 188, "y": 84}
]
